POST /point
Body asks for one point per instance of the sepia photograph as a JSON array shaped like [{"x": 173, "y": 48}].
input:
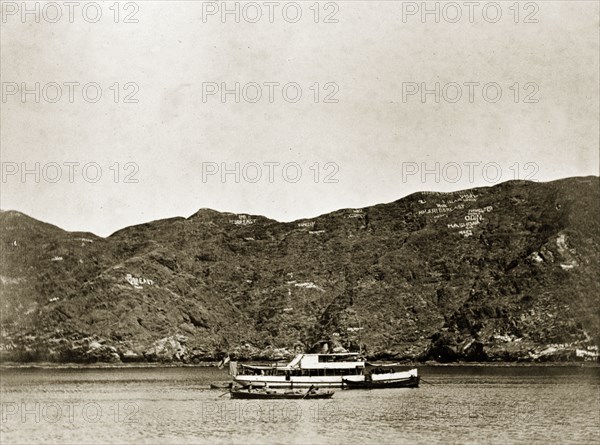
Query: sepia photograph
[{"x": 299, "y": 222}]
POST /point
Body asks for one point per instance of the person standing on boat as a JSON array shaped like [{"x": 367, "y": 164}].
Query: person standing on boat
[{"x": 223, "y": 362}]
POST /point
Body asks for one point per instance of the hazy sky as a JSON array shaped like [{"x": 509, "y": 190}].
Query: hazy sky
[{"x": 373, "y": 140}]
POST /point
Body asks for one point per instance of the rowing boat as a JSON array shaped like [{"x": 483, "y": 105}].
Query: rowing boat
[{"x": 269, "y": 393}]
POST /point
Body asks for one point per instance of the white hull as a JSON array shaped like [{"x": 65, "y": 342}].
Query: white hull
[
  {"x": 393, "y": 376},
  {"x": 320, "y": 381},
  {"x": 296, "y": 382}
]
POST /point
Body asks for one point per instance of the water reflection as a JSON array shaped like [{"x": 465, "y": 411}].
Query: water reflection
[{"x": 175, "y": 405}]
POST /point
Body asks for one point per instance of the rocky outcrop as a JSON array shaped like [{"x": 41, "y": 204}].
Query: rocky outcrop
[{"x": 167, "y": 349}]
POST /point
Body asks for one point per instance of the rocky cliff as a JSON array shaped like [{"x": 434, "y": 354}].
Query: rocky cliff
[{"x": 508, "y": 272}]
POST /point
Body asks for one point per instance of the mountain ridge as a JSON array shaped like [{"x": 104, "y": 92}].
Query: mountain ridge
[
  {"x": 206, "y": 209},
  {"x": 507, "y": 272}
]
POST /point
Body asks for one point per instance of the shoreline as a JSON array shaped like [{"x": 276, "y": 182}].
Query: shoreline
[{"x": 110, "y": 366}]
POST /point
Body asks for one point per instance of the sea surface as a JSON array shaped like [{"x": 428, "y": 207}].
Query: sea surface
[{"x": 455, "y": 404}]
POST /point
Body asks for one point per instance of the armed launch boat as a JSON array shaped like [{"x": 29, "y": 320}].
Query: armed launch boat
[{"x": 325, "y": 370}]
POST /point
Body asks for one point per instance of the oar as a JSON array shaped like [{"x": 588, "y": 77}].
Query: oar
[
  {"x": 425, "y": 381},
  {"x": 308, "y": 392},
  {"x": 229, "y": 390}
]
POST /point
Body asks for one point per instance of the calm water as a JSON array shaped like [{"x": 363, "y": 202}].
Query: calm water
[{"x": 174, "y": 405}]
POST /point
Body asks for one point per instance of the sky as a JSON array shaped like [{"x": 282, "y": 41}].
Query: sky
[{"x": 114, "y": 116}]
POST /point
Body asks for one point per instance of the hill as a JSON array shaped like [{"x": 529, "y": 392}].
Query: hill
[{"x": 508, "y": 272}]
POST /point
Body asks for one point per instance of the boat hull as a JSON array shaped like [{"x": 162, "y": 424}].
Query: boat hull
[
  {"x": 411, "y": 382},
  {"x": 275, "y": 395},
  {"x": 405, "y": 379},
  {"x": 294, "y": 382},
  {"x": 221, "y": 385}
]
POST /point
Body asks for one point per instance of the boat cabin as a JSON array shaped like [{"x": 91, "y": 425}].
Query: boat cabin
[{"x": 309, "y": 365}]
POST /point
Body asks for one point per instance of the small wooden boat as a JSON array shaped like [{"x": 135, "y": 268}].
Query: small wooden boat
[
  {"x": 221, "y": 385},
  {"x": 410, "y": 382},
  {"x": 384, "y": 376},
  {"x": 248, "y": 392}
]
